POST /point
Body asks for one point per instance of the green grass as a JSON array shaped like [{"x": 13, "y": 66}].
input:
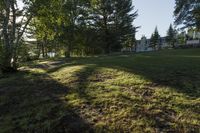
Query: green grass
[{"x": 147, "y": 92}]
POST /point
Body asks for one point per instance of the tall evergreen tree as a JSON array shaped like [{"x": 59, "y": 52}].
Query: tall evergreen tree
[
  {"x": 113, "y": 18},
  {"x": 124, "y": 22},
  {"x": 155, "y": 39},
  {"x": 103, "y": 16},
  {"x": 74, "y": 12},
  {"x": 171, "y": 36}
]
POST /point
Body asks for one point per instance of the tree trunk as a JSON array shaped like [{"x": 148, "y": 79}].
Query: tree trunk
[
  {"x": 14, "y": 46},
  {"x": 43, "y": 53},
  {"x": 11, "y": 37},
  {"x": 67, "y": 52},
  {"x": 135, "y": 48},
  {"x": 14, "y": 63},
  {"x": 39, "y": 49},
  {"x": 46, "y": 52},
  {"x": 108, "y": 48},
  {"x": 45, "y": 46},
  {"x": 106, "y": 35},
  {"x": 6, "y": 63},
  {"x": 70, "y": 41}
]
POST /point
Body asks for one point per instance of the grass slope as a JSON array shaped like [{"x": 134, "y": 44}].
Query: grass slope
[{"x": 148, "y": 92}]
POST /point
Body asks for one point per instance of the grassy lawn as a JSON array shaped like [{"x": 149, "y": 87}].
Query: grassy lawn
[{"x": 147, "y": 92}]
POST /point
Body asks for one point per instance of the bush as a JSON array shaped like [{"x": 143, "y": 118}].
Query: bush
[{"x": 26, "y": 53}]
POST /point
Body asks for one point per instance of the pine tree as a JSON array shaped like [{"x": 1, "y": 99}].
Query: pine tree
[
  {"x": 155, "y": 39},
  {"x": 124, "y": 21},
  {"x": 113, "y": 19},
  {"x": 171, "y": 36}
]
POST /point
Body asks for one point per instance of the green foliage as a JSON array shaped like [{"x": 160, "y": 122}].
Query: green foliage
[
  {"x": 196, "y": 15},
  {"x": 187, "y": 12},
  {"x": 13, "y": 25},
  {"x": 171, "y": 36},
  {"x": 114, "y": 20},
  {"x": 81, "y": 27},
  {"x": 181, "y": 39},
  {"x": 155, "y": 39},
  {"x": 27, "y": 52},
  {"x": 88, "y": 27}
]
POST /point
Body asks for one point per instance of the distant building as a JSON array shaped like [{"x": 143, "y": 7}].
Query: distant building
[
  {"x": 193, "y": 38},
  {"x": 144, "y": 44},
  {"x": 193, "y": 42},
  {"x": 189, "y": 39},
  {"x": 192, "y": 34}
]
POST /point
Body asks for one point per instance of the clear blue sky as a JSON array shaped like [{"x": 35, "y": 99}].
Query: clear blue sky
[{"x": 153, "y": 13}]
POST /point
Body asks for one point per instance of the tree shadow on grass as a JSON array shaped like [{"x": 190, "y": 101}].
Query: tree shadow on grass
[
  {"x": 82, "y": 81},
  {"x": 35, "y": 103},
  {"x": 161, "y": 116},
  {"x": 182, "y": 76},
  {"x": 179, "y": 71}
]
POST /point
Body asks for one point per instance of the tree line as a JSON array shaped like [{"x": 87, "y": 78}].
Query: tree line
[
  {"x": 187, "y": 16},
  {"x": 74, "y": 27},
  {"x": 66, "y": 27},
  {"x": 171, "y": 38}
]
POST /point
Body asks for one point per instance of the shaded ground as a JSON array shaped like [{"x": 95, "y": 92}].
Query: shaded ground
[{"x": 150, "y": 92}]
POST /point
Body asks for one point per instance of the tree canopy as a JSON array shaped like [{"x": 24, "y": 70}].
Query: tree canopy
[
  {"x": 65, "y": 27},
  {"x": 187, "y": 12}
]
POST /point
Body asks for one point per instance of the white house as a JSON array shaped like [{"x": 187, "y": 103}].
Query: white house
[
  {"x": 193, "y": 38},
  {"x": 144, "y": 44},
  {"x": 193, "y": 34}
]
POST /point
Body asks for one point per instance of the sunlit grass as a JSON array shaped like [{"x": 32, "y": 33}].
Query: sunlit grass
[{"x": 148, "y": 92}]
